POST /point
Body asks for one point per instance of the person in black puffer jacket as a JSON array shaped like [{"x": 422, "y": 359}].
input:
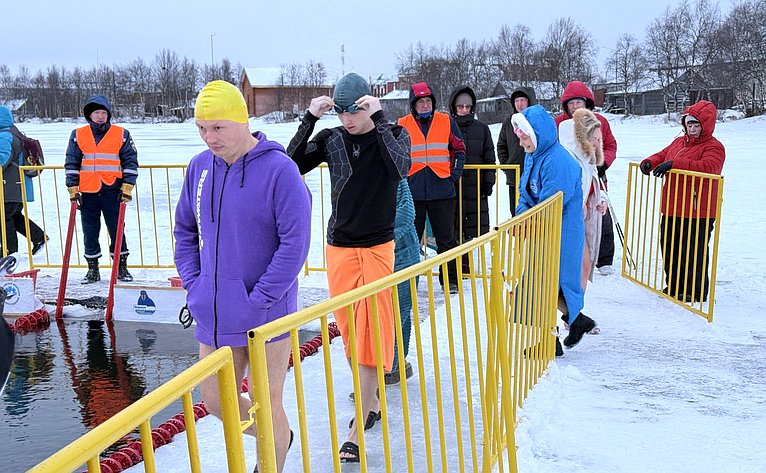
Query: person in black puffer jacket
[{"x": 479, "y": 149}]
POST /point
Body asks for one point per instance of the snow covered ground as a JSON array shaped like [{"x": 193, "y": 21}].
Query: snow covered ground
[{"x": 659, "y": 389}]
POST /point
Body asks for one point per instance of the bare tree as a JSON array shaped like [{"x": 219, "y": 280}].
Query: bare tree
[
  {"x": 740, "y": 54},
  {"x": 629, "y": 65},
  {"x": 514, "y": 51},
  {"x": 569, "y": 52}
]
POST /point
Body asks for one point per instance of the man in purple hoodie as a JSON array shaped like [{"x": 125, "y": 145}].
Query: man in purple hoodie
[{"x": 242, "y": 235}]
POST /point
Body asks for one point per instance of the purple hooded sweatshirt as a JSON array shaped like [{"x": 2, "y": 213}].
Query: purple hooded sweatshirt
[{"x": 242, "y": 235}]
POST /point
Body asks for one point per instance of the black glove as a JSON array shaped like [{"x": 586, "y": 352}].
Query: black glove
[
  {"x": 602, "y": 171},
  {"x": 486, "y": 188},
  {"x": 662, "y": 168},
  {"x": 646, "y": 166}
]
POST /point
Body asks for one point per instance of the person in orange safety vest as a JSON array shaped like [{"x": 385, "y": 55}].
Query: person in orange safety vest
[
  {"x": 438, "y": 155},
  {"x": 101, "y": 168}
]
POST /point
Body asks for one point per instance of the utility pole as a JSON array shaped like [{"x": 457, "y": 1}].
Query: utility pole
[
  {"x": 212, "y": 58},
  {"x": 342, "y": 59}
]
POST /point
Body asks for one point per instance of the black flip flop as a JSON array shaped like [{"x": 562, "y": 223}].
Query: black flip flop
[
  {"x": 372, "y": 417},
  {"x": 352, "y": 449}
]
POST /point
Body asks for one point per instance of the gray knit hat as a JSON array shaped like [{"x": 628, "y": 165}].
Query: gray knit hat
[{"x": 349, "y": 89}]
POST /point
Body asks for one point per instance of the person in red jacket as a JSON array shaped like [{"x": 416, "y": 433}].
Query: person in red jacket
[
  {"x": 688, "y": 204},
  {"x": 577, "y": 95}
]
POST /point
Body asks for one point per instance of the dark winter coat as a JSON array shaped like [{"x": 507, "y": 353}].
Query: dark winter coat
[
  {"x": 508, "y": 149},
  {"x": 704, "y": 154},
  {"x": 575, "y": 90},
  {"x": 128, "y": 153},
  {"x": 11, "y": 155},
  {"x": 479, "y": 149},
  {"x": 425, "y": 184}
]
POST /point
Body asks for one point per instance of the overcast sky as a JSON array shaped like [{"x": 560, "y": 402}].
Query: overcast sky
[{"x": 271, "y": 33}]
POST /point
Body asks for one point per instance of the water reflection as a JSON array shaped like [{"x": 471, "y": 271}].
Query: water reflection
[
  {"x": 105, "y": 383},
  {"x": 72, "y": 377}
]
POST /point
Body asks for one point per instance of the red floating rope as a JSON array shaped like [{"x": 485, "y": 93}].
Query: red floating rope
[{"x": 132, "y": 454}]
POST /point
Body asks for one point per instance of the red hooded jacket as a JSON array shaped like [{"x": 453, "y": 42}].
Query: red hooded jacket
[
  {"x": 577, "y": 89},
  {"x": 706, "y": 154}
]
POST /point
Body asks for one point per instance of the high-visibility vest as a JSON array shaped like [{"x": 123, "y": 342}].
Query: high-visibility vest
[
  {"x": 100, "y": 162},
  {"x": 433, "y": 150}
]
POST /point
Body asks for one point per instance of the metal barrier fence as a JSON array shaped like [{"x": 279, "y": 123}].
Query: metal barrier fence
[
  {"x": 151, "y": 216},
  {"x": 497, "y": 343},
  {"x": 498, "y": 204},
  {"x": 86, "y": 450},
  {"x": 668, "y": 229},
  {"x": 152, "y": 213},
  {"x": 494, "y": 338}
]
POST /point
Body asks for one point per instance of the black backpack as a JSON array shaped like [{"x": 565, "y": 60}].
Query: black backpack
[{"x": 33, "y": 152}]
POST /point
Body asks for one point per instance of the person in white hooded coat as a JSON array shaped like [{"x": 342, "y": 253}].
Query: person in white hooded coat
[{"x": 582, "y": 137}]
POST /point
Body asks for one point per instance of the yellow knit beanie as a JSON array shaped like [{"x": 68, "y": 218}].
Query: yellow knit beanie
[{"x": 220, "y": 100}]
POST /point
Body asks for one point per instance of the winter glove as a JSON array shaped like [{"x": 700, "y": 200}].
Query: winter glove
[
  {"x": 602, "y": 171},
  {"x": 662, "y": 168},
  {"x": 646, "y": 166},
  {"x": 74, "y": 195},
  {"x": 127, "y": 193}
]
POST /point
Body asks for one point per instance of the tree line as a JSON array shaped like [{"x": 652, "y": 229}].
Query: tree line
[{"x": 724, "y": 51}]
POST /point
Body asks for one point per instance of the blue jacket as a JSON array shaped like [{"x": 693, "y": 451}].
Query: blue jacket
[
  {"x": 549, "y": 169},
  {"x": 242, "y": 235},
  {"x": 407, "y": 247},
  {"x": 11, "y": 157}
]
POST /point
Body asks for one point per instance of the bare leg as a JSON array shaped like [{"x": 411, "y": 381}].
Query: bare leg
[
  {"x": 368, "y": 379},
  {"x": 563, "y": 307},
  {"x": 277, "y": 355}
]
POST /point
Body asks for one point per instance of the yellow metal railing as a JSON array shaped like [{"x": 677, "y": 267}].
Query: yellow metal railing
[
  {"x": 86, "y": 450},
  {"x": 669, "y": 224},
  {"x": 150, "y": 218},
  {"x": 498, "y": 204},
  {"x": 494, "y": 338}
]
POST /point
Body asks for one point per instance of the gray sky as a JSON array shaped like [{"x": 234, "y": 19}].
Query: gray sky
[{"x": 271, "y": 33}]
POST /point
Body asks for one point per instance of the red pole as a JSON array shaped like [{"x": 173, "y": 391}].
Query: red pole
[
  {"x": 65, "y": 265},
  {"x": 115, "y": 261}
]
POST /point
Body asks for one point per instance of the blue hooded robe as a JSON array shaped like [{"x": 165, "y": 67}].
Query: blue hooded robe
[{"x": 549, "y": 169}]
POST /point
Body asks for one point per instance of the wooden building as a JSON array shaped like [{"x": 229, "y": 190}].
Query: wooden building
[
  {"x": 265, "y": 92},
  {"x": 497, "y": 107}
]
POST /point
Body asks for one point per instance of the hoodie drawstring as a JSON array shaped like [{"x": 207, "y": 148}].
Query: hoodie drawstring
[
  {"x": 212, "y": 189},
  {"x": 242, "y": 179}
]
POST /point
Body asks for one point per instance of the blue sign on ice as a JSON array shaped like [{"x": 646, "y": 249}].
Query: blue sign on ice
[{"x": 145, "y": 305}]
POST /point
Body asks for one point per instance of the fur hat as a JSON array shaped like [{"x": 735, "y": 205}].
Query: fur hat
[
  {"x": 585, "y": 123},
  {"x": 522, "y": 126},
  {"x": 220, "y": 100}
]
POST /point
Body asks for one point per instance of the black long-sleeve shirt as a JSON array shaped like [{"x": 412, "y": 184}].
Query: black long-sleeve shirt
[{"x": 365, "y": 171}]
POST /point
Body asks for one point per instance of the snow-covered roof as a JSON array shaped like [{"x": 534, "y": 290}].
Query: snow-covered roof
[
  {"x": 13, "y": 104},
  {"x": 543, "y": 90},
  {"x": 262, "y": 76},
  {"x": 396, "y": 95}
]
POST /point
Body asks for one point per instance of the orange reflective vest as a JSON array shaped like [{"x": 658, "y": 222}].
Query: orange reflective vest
[
  {"x": 100, "y": 162},
  {"x": 433, "y": 150}
]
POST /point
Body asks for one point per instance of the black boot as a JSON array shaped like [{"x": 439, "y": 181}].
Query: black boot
[
  {"x": 92, "y": 275},
  {"x": 581, "y": 325},
  {"x": 122, "y": 270}
]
